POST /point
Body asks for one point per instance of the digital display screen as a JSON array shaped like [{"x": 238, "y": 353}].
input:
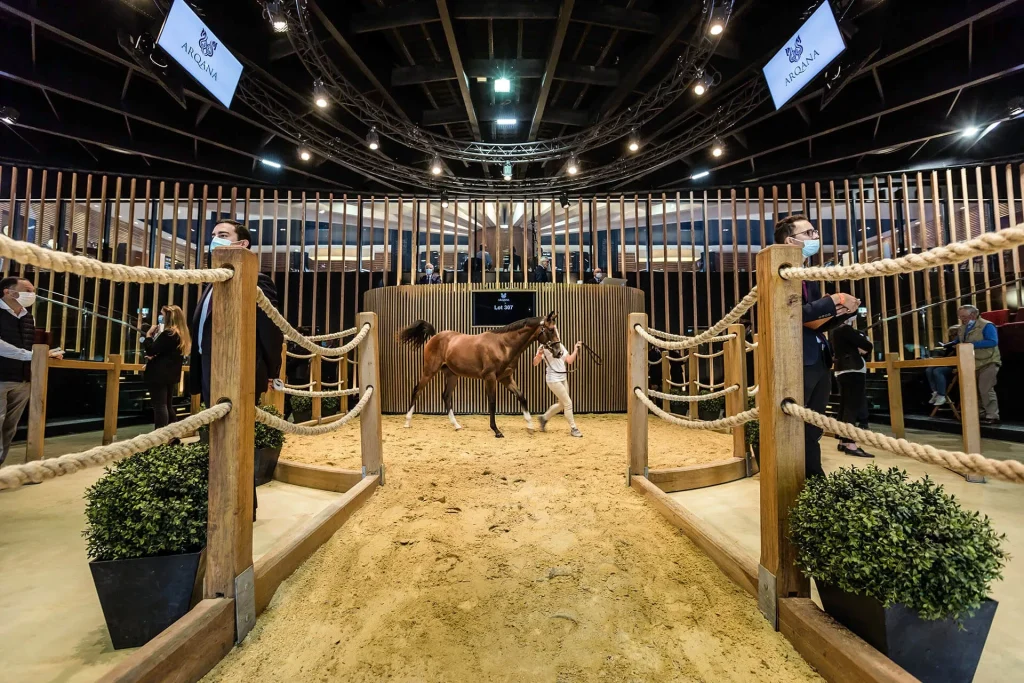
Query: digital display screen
[
  {"x": 192, "y": 44},
  {"x": 495, "y": 308},
  {"x": 804, "y": 55}
]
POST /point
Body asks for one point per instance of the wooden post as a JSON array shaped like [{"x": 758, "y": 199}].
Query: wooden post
[
  {"x": 194, "y": 402},
  {"x": 315, "y": 368},
  {"x": 736, "y": 373},
  {"x": 969, "y": 411},
  {"x": 276, "y": 398},
  {"x": 780, "y": 339},
  {"x": 895, "y": 395},
  {"x": 110, "y": 405},
  {"x": 636, "y": 445},
  {"x": 693, "y": 374},
  {"x": 229, "y": 572},
  {"x": 369, "y": 421},
  {"x": 40, "y": 370},
  {"x": 666, "y": 375}
]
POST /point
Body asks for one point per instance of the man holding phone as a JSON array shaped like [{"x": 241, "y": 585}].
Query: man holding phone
[{"x": 798, "y": 231}]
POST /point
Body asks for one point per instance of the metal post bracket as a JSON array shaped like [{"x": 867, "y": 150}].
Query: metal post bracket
[{"x": 245, "y": 603}]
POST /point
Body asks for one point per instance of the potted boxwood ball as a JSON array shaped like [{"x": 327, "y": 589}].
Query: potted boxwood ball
[
  {"x": 267, "y": 442},
  {"x": 752, "y": 432},
  {"x": 302, "y": 409},
  {"x": 710, "y": 408},
  {"x": 145, "y": 532},
  {"x": 331, "y": 405},
  {"x": 902, "y": 565}
]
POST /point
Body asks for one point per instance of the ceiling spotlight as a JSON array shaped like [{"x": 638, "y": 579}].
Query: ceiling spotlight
[
  {"x": 435, "y": 165},
  {"x": 277, "y": 17},
  {"x": 1016, "y": 106},
  {"x": 305, "y": 155},
  {"x": 700, "y": 85},
  {"x": 506, "y": 122},
  {"x": 717, "y": 148},
  {"x": 444, "y": 200},
  {"x": 270, "y": 163},
  {"x": 9, "y": 115},
  {"x": 634, "y": 141},
  {"x": 969, "y": 131},
  {"x": 502, "y": 85},
  {"x": 573, "y": 167},
  {"x": 718, "y": 19},
  {"x": 563, "y": 199},
  {"x": 506, "y": 171},
  {"x": 699, "y": 175},
  {"x": 320, "y": 95},
  {"x": 372, "y": 139},
  {"x": 716, "y": 28}
]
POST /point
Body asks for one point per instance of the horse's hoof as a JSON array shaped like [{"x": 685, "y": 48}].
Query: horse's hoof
[
  {"x": 458, "y": 429},
  {"x": 499, "y": 435}
]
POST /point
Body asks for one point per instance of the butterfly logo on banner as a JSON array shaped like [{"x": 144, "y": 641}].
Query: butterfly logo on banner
[
  {"x": 208, "y": 46},
  {"x": 792, "y": 52}
]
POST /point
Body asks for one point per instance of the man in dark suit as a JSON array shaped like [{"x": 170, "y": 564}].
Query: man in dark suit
[
  {"x": 268, "y": 337},
  {"x": 796, "y": 230}
]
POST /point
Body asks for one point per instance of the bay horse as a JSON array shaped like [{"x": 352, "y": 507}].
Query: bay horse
[{"x": 492, "y": 356}]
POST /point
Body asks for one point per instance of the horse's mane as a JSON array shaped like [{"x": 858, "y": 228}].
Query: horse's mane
[{"x": 519, "y": 324}]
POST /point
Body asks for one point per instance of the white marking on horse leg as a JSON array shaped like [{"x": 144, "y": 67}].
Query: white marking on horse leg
[
  {"x": 408, "y": 417},
  {"x": 455, "y": 423},
  {"x": 529, "y": 419}
]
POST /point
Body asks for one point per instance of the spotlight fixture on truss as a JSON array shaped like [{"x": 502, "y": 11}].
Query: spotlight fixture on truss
[
  {"x": 321, "y": 97},
  {"x": 701, "y": 84},
  {"x": 717, "y": 148},
  {"x": 563, "y": 200},
  {"x": 305, "y": 155},
  {"x": 444, "y": 200},
  {"x": 634, "y": 141},
  {"x": 372, "y": 139},
  {"x": 278, "y": 19},
  {"x": 435, "y": 165},
  {"x": 9, "y": 115},
  {"x": 573, "y": 167},
  {"x": 506, "y": 171}
]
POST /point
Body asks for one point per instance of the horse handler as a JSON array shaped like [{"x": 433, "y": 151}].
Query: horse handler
[{"x": 557, "y": 377}]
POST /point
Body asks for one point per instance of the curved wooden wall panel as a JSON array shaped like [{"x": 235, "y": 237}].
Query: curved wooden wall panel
[{"x": 593, "y": 313}]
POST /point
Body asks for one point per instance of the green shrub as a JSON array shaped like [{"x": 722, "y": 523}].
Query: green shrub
[
  {"x": 152, "y": 503},
  {"x": 752, "y": 429},
  {"x": 301, "y": 404},
  {"x": 877, "y": 534},
  {"x": 268, "y": 437},
  {"x": 714, "y": 405},
  {"x": 331, "y": 404}
]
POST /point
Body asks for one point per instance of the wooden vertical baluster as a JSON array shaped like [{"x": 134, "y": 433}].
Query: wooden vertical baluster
[
  {"x": 681, "y": 327},
  {"x": 835, "y": 225},
  {"x": 360, "y": 214},
  {"x": 85, "y": 252},
  {"x": 981, "y": 227},
  {"x": 881, "y": 254},
  {"x": 970, "y": 411},
  {"x": 129, "y": 246},
  {"x": 735, "y": 250},
  {"x": 287, "y": 248},
  {"x": 369, "y": 377},
  {"x": 927, "y": 280},
  {"x": 13, "y": 212},
  {"x": 940, "y": 240},
  {"x": 189, "y": 232},
  {"x": 276, "y": 398},
  {"x": 707, "y": 263},
  {"x": 1011, "y": 204},
  {"x": 299, "y": 317},
  {"x": 864, "y": 258},
  {"x": 893, "y": 246},
  {"x": 174, "y": 238},
  {"x": 721, "y": 256},
  {"x": 763, "y": 224},
  {"x": 781, "y": 436},
  {"x": 229, "y": 529},
  {"x": 622, "y": 234},
  {"x": 909, "y": 233},
  {"x": 966, "y": 199},
  {"x": 316, "y": 264},
  {"x": 666, "y": 322},
  {"x": 373, "y": 238},
  {"x": 692, "y": 377},
  {"x": 954, "y": 236},
  {"x": 146, "y": 261},
  {"x": 636, "y": 414},
  {"x": 55, "y": 234},
  {"x": 100, "y": 243},
  {"x": 609, "y": 264},
  {"x": 315, "y": 370},
  {"x": 344, "y": 264},
  {"x": 400, "y": 255},
  {"x": 895, "y": 395},
  {"x": 158, "y": 253},
  {"x": 750, "y": 254},
  {"x": 40, "y": 225},
  {"x": 111, "y": 403},
  {"x": 414, "y": 243},
  {"x": 996, "y": 227},
  {"x": 693, "y": 268},
  {"x": 736, "y": 373},
  {"x": 40, "y": 373},
  {"x": 666, "y": 372},
  {"x": 20, "y": 232}
]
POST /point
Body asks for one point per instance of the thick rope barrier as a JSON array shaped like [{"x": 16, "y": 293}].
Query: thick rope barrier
[
  {"x": 331, "y": 384},
  {"x": 962, "y": 463},
  {"x": 336, "y": 359},
  {"x": 709, "y": 386},
  {"x": 39, "y": 471},
  {"x": 301, "y": 356},
  {"x": 275, "y": 422},
  {"x": 709, "y": 355},
  {"x": 686, "y": 398},
  {"x": 679, "y": 359},
  {"x": 676, "y": 384},
  {"x": 710, "y": 335},
  {"x": 291, "y": 386},
  {"x": 751, "y": 346},
  {"x": 333, "y": 335},
  {"x": 988, "y": 243},
  {"x": 299, "y": 391},
  {"x": 724, "y": 423},
  {"x": 291, "y": 334},
  {"x": 654, "y": 362},
  {"x": 61, "y": 262},
  {"x": 752, "y": 391}
]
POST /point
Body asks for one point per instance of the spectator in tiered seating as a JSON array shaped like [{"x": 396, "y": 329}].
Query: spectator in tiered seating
[
  {"x": 429, "y": 276},
  {"x": 852, "y": 346},
  {"x": 982, "y": 334},
  {"x": 939, "y": 377},
  {"x": 542, "y": 272},
  {"x": 165, "y": 345}
]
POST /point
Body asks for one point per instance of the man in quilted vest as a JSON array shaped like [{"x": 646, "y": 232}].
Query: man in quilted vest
[{"x": 982, "y": 334}]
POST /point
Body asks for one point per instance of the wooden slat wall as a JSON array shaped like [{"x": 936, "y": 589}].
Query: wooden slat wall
[{"x": 595, "y": 314}]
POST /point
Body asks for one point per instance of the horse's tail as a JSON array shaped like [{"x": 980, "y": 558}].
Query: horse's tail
[{"x": 417, "y": 334}]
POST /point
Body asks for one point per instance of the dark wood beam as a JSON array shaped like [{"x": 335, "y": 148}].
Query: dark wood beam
[
  {"x": 552, "y": 66},
  {"x": 584, "y": 73},
  {"x": 503, "y": 9},
  {"x": 618, "y": 18},
  {"x": 421, "y": 73},
  {"x": 513, "y": 68},
  {"x": 406, "y": 14},
  {"x": 460, "y": 72},
  {"x": 652, "y": 52}
]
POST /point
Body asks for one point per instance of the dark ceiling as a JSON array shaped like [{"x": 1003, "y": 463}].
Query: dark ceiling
[{"x": 913, "y": 77}]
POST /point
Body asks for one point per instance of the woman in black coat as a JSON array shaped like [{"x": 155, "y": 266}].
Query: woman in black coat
[
  {"x": 165, "y": 346},
  {"x": 851, "y": 346}
]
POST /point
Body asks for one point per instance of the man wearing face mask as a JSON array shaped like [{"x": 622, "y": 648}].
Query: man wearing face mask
[
  {"x": 798, "y": 231},
  {"x": 17, "y": 334},
  {"x": 230, "y": 233},
  {"x": 429, "y": 276}
]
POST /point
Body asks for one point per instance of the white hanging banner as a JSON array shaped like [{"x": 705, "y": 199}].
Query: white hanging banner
[
  {"x": 192, "y": 44},
  {"x": 805, "y": 55}
]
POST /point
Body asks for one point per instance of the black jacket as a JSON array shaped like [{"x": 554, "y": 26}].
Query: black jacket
[
  {"x": 816, "y": 307},
  {"x": 849, "y": 342},
  {"x": 18, "y": 332},
  {"x": 268, "y": 343},
  {"x": 163, "y": 358}
]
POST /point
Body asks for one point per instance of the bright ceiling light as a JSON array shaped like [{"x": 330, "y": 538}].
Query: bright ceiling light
[
  {"x": 271, "y": 164},
  {"x": 573, "y": 167},
  {"x": 634, "y": 141},
  {"x": 444, "y": 200},
  {"x": 502, "y": 85},
  {"x": 320, "y": 95},
  {"x": 278, "y": 20},
  {"x": 435, "y": 165},
  {"x": 305, "y": 155},
  {"x": 481, "y": 79},
  {"x": 989, "y": 128},
  {"x": 716, "y": 28},
  {"x": 9, "y": 115},
  {"x": 506, "y": 171},
  {"x": 506, "y": 122},
  {"x": 970, "y": 131},
  {"x": 1015, "y": 106},
  {"x": 699, "y": 88},
  {"x": 372, "y": 140},
  {"x": 717, "y": 148},
  {"x": 701, "y": 174}
]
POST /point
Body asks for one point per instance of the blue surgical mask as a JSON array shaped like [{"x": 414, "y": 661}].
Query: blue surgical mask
[
  {"x": 810, "y": 247},
  {"x": 160, "y": 319},
  {"x": 219, "y": 242}
]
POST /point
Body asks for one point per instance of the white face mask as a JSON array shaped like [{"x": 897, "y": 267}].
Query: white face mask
[{"x": 26, "y": 299}]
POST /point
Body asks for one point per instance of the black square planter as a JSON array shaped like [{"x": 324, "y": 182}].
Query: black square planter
[
  {"x": 265, "y": 462},
  {"x": 143, "y": 596},
  {"x": 936, "y": 651}
]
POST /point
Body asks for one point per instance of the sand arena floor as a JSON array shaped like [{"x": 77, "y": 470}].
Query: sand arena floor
[{"x": 520, "y": 559}]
